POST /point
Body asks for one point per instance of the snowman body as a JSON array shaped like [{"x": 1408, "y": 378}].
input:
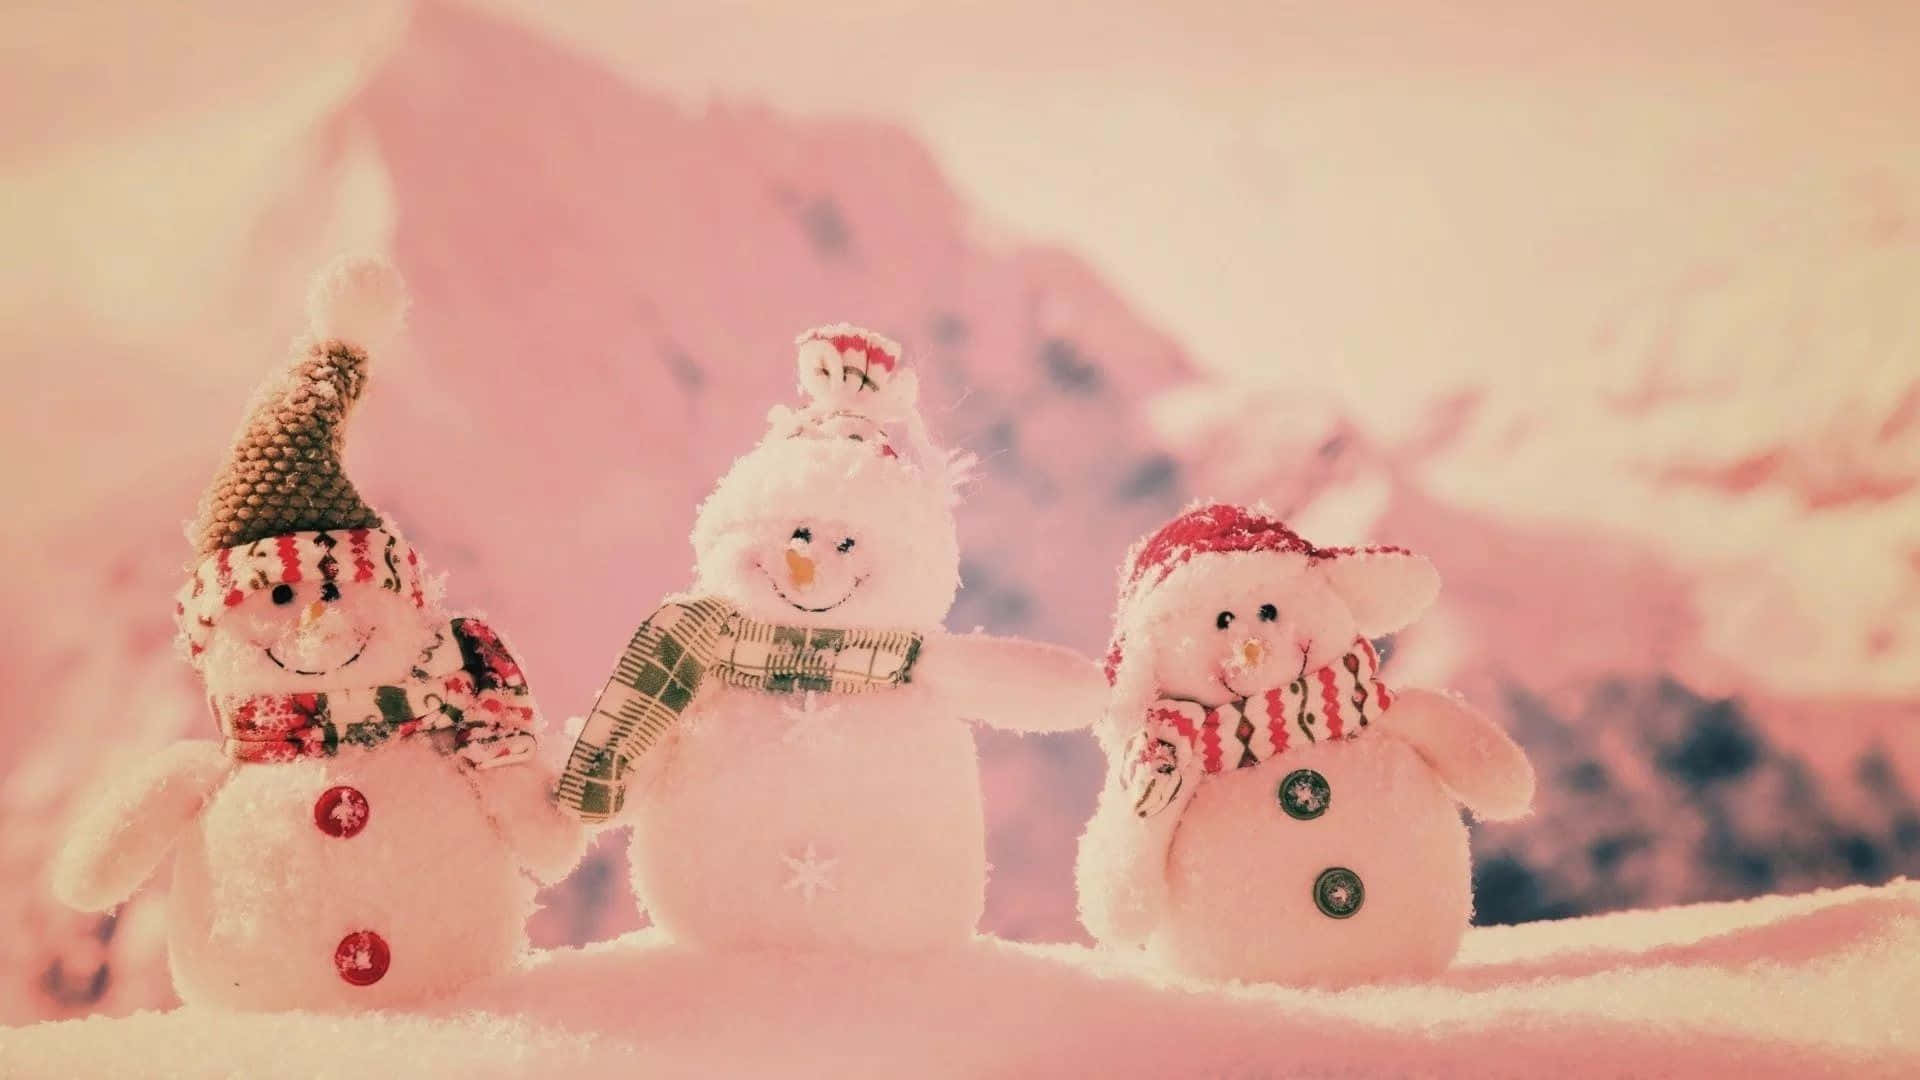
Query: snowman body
[
  {"x": 848, "y": 815},
  {"x": 1336, "y": 863},
  {"x": 1274, "y": 812},
  {"x": 816, "y": 821},
  {"x": 368, "y": 879},
  {"x": 357, "y": 835}
]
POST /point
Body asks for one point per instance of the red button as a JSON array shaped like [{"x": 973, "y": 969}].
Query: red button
[
  {"x": 341, "y": 811},
  {"x": 361, "y": 958}
]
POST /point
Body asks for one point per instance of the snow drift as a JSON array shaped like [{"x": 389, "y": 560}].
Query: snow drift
[{"x": 1819, "y": 985}]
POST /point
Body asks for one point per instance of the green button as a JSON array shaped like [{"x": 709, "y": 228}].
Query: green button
[
  {"x": 1304, "y": 794},
  {"x": 1337, "y": 892}
]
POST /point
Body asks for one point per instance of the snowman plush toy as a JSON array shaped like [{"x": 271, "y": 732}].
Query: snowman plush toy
[
  {"x": 1273, "y": 812},
  {"x": 789, "y": 738},
  {"x": 359, "y": 835}
]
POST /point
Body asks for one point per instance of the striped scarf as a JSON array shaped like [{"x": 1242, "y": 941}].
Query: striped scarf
[
  {"x": 1333, "y": 704},
  {"x": 669, "y": 660},
  {"x": 470, "y": 699}
]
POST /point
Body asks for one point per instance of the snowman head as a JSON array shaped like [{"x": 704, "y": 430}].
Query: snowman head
[
  {"x": 843, "y": 514},
  {"x": 309, "y": 611},
  {"x": 300, "y": 584},
  {"x": 1225, "y": 602}
]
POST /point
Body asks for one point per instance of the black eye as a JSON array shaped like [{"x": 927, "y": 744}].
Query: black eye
[
  {"x": 803, "y": 534},
  {"x": 283, "y": 594},
  {"x": 1268, "y": 613},
  {"x": 329, "y": 592},
  {"x": 844, "y": 546},
  {"x": 1223, "y": 620}
]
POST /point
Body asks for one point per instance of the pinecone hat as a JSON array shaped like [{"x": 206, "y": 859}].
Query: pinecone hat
[
  {"x": 282, "y": 509},
  {"x": 285, "y": 473}
]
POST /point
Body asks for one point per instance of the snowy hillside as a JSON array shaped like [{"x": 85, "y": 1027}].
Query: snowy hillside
[{"x": 1816, "y": 986}]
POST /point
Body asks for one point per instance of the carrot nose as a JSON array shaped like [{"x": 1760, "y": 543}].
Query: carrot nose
[
  {"x": 1251, "y": 652},
  {"x": 311, "y": 613},
  {"x": 799, "y": 568}
]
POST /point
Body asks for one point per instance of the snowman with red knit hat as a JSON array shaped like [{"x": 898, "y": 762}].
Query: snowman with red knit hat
[
  {"x": 1273, "y": 811},
  {"x": 361, "y": 832}
]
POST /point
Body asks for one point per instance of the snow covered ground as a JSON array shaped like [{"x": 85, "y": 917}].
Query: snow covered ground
[{"x": 1819, "y": 985}]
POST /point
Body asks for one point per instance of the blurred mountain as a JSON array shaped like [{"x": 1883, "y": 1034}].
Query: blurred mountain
[{"x": 1652, "y": 795}]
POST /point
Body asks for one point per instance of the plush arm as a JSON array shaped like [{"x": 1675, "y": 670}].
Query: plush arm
[
  {"x": 1012, "y": 684},
  {"x": 548, "y": 841},
  {"x": 1122, "y": 887},
  {"x": 1474, "y": 758},
  {"x": 123, "y": 832},
  {"x": 1121, "y": 869}
]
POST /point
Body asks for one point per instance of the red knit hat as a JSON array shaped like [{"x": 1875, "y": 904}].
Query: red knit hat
[{"x": 1215, "y": 529}]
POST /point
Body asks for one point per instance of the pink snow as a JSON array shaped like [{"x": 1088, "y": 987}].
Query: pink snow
[
  {"x": 1548, "y": 363},
  {"x": 1821, "y": 984}
]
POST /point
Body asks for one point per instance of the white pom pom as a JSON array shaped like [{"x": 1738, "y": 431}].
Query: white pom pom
[{"x": 362, "y": 301}]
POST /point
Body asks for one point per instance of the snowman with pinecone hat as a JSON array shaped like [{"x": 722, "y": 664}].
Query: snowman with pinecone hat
[
  {"x": 1273, "y": 812},
  {"x": 789, "y": 738},
  {"x": 358, "y": 836}
]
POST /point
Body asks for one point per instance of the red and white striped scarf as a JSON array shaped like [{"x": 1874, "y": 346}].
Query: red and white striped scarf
[
  {"x": 467, "y": 693},
  {"x": 1332, "y": 704}
]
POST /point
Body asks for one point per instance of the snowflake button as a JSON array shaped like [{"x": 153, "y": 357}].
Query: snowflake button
[
  {"x": 1337, "y": 892},
  {"x": 341, "y": 811},
  {"x": 809, "y": 874},
  {"x": 1305, "y": 794}
]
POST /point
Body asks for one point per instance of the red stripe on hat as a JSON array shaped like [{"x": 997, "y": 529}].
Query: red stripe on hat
[
  {"x": 362, "y": 562},
  {"x": 289, "y": 551},
  {"x": 223, "y": 575},
  {"x": 877, "y": 356}
]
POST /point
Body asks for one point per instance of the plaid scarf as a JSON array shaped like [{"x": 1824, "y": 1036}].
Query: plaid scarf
[
  {"x": 471, "y": 699},
  {"x": 670, "y": 658},
  {"x": 1333, "y": 704}
]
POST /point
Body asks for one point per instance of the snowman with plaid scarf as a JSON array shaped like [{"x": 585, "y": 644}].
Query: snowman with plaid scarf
[
  {"x": 362, "y": 832},
  {"x": 789, "y": 739},
  {"x": 1273, "y": 811}
]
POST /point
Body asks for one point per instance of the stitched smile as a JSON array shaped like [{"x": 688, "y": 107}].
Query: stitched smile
[
  {"x": 775, "y": 585},
  {"x": 327, "y": 671}
]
